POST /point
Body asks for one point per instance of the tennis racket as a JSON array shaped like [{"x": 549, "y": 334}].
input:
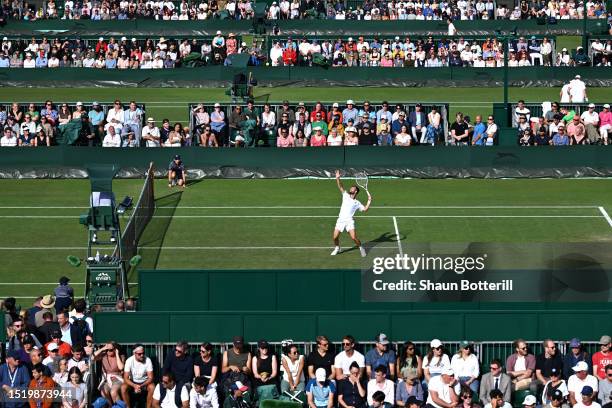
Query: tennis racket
[{"x": 362, "y": 180}]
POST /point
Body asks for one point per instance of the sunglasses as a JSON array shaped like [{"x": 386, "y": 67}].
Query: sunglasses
[
  {"x": 140, "y": 353},
  {"x": 346, "y": 344}
]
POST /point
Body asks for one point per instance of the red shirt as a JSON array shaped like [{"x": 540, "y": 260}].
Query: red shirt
[
  {"x": 64, "y": 349},
  {"x": 601, "y": 361}
]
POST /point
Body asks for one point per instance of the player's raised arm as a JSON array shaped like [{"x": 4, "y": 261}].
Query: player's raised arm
[
  {"x": 338, "y": 182},
  {"x": 367, "y": 206}
]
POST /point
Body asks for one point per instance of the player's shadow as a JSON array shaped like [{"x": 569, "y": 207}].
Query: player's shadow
[{"x": 385, "y": 237}]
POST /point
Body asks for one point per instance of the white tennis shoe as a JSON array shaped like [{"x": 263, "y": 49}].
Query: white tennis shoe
[
  {"x": 362, "y": 250},
  {"x": 336, "y": 251}
]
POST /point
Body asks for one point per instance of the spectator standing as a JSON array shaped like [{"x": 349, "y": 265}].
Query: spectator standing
[
  {"x": 70, "y": 334},
  {"x": 13, "y": 375},
  {"x": 42, "y": 383},
  {"x": 380, "y": 355},
  {"x": 47, "y": 304},
  {"x": 466, "y": 367}
]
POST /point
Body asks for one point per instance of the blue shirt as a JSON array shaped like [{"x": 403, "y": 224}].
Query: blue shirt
[
  {"x": 41, "y": 62},
  {"x": 559, "y": 140},
  {"x": 4, "y": 63},
  {"x": 95, "y": 117},
  {"x": 320, "y": 394},
  {"x": 111, "y": 63},
  {"x": 374, "y": 360},
  {"x": 349, "y": 114},
  {"x": 479, "y": 130}
]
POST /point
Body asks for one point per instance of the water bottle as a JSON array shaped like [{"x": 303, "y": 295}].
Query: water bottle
[{"x": 97, "y": 256}]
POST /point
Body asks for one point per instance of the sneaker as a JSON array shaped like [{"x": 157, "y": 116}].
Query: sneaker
[
  {"x": 113, "y": 239},
  {"x": 94, "y": 238},
  {"x": 362, "y": 250},
  {"x": 336, "y": 251}
]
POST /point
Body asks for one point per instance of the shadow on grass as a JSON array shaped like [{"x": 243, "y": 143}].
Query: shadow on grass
[
  {"x": 152, "y": 239},
  {"x": 383, "y": 238}
]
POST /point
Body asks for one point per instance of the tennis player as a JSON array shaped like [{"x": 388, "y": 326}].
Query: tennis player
[{"x": 345, "y": 221}]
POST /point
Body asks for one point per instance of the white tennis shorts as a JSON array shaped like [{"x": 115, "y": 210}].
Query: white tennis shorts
[{"x": 345, "y": 225}]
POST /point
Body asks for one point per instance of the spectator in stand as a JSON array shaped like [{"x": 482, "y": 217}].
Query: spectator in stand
[
  {"x": 605, "y": 387},
  {"x": 590, "y": 120},
  {"x": 605, "y": 124},
  {"x": 352, "y": 389},
  {"x": 403, "y": 138},
  {"x": 381, "y": 383},
  {"x": 13, "y": 375},
  {"x": 408, "y": 387},
  {"x": 169, "y": 393},
  {"x": 520, "y": 366},
  {"x": 443, "y": 390},
  {"x": 587, "y": 398},
  {"x": 575, "y": 354},
  {"x": 579, "y": 380},
  {"x": 459, "y": 131},
  {"x": 550, "y": 357},
  {"x": 64, "y": 349},
  {"x": 554, "y": 385},
  {"x": 138, "y": 377},
  {"x": 8, "y": 139},
  {"x": 321, "y": 358},
  {"x": 435, "y": 362},
  {"x": 292, "y": 382},
  {"x": 466, "y": 366},
  {"x": 237, "y": 359},
  {"x": 265, "y": 366},
  {"x": 576, "y": 132},
  {"x": 203, "y": 394},
  {"x": 42, "y": 385},
  {"x": 206, "y": 364},
  {"x": 603, "y": 357},
  {"x": 113, "y": 364},
  {"x": 344, "y": 359},
  {"x": 320, "y": 390},
  {"x": 495, "y": 379},
  {"x": 496, "y": 400}
]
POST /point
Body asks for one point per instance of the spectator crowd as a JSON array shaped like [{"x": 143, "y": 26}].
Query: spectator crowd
[
  {"x": 413, "y": 52},
  {"x": 124, "y": 53},
  {"x": 50, "y": 345}
]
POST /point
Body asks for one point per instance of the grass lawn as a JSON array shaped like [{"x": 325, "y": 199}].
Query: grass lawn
[
  {"x": 172, "y": 103},
  {"x": 288, "y": 223}
]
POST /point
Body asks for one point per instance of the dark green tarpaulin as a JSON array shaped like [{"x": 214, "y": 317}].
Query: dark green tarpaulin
[
  {"x": 220, "y": 76},
  {"x": 69, "y": 132}
]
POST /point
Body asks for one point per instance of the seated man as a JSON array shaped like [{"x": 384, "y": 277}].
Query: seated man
[
  {"x": 496, "y": 398},
  {"x": 169, "y": 394},
  {"x": 320, "y": 390},
  {"x": 138, "y": 377},
  {"x": 176, "y": 173},
  {"x": 203, "y": 394},
  {"x": 382, "y": 384},
  {"x": 236, "y": 397}
]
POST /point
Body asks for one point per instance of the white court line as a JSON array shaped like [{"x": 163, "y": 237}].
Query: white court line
[
  {"x": 186, "y": 248},
  {"x": 397, "y": 236},
  {"x": 318, "y": 216},
  {"x": 605, "y": 215},
  {"x": 336, "y": 206}
]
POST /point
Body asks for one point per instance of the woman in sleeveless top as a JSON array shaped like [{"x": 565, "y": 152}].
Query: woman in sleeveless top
[
  {"x": 409, "y": 364},
  {"x": 112, "y": 369},
  {"x": 265, "y": 366},
  {"x": 293, "y": 371}
]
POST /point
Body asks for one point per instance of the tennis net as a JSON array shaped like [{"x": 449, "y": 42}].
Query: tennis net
[{"x": 141, "y": 215}]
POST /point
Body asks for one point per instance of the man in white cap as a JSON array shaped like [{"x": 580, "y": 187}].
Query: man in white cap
[
  {"x": 529, "y": 401},
  {"x": 150, "y": 134},
  {"x": 443, "y": 390},
  {"x": 319, "y": 391},
  {"x": 577, "y": 90},
  {"x": 350, "y": 112},
  {"x": 579, "y": 380}
]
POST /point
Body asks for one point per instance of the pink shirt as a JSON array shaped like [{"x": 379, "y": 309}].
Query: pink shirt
[
  {"x": 284, "y": 141},
  {"x": 317, "y": 142},
  {"x": 605, "y": 118}
]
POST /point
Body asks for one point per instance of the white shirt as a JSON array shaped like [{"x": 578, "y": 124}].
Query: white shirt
[
  {"x": 168, "y": 401},
  {"x": 451, "y": 29},
  {"x": 152, "y": 131},
  {"x": 444, "y": 393},
  {"x": 465, "y": 368},
  {"x": 116, "y": 114},
  {"x": 349, "y": 207},
  {"x": 111, "y": 140},
  {"x": 579, "y": 404},
  {"x": 137, "y": 369},
  {"x": 437, "y": 365},
  {"x": 577, "y": 88},
  {"x": 520, "y": 364},
  {"x": 334, "y": 141},
  {"x": 590, "y": 118},
  {"x": 388, "y": 387},
  {"x": 575, "y": 384},
  {"x": 293, "y": 369},
  {"x": 8, "y": 141},
  {"x": 31, "y": 63},
  {"x": 565, "y": 95},
  {"x": 343, "y": 361},
  {"x": 208, "y": 400}
]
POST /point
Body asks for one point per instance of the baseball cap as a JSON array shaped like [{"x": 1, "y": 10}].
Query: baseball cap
[
  {"x": 95, "y": 104},
  {"x": 578, "y": 76},
  {"x": 607, "y": 106},
  {"x": 123, "y": 38},
  {"x": 529, "y": 400},
  {"x": 79, "y": 104},
  {"x": 150, "y": 120},
  {"x": 574, "y": 342},
  {"x": 435, "y": 343},
  {"x": 177, "y": 157},
  {"x": 557, "y": 395},
  {"x": 240, "y": 386},
  {"x": 350, "y": 129},
  {"x": 555, "y": 371},
  {"x": 217, "y": 105},
  {"x": 238, "y": 340},
  {"x": 317, "y": 128},
  {"x": 320, "y": 374},
  {"x": 52, "y": 347},
  {"x": 591, "y": 105},
  {"x": 350, "y": 102},
  {"x": 464, "y": 344},
  {"x": 301, "y": 104},
  {"x": 382, "y": 337},
  {"x": 64, "y": 280},
  {"x": 605, "y": 339},
  {"x": 262, "y": 344},
  {"x": 335, "y": 105},
  {"x": 56, "y": 334},
  {"x": 448, "y": 371},
  {"x": 13, "y": 354},
  {"x": 580, "y": 366},
  {"x": 587, "y": 390}
]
